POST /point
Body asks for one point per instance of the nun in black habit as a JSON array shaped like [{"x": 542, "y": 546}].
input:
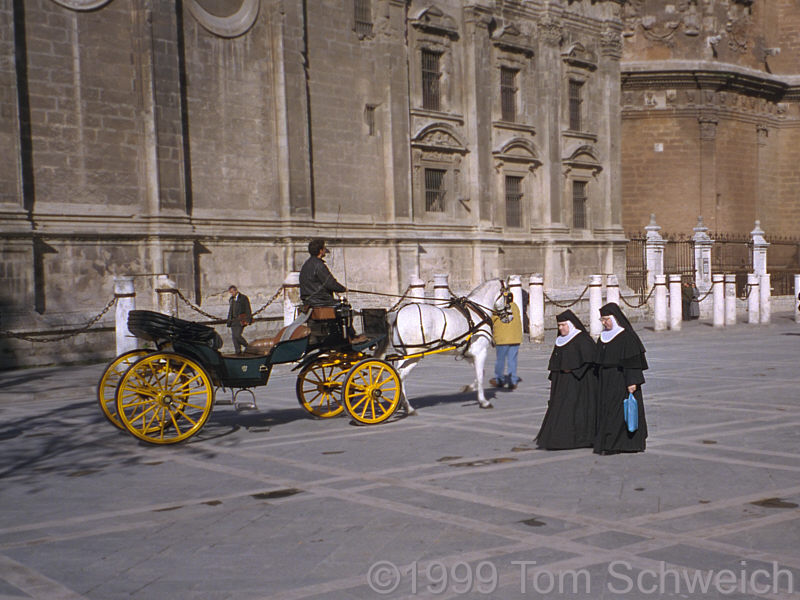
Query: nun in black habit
[
  {"x": 571, "y": 418},
  {"x": 620, "y": 360}
]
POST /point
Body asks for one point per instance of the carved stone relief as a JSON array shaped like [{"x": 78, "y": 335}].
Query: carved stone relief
[{"x": 230, "y": 26}]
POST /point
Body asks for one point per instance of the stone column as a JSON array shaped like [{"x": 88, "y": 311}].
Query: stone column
[
  {"x": 441, "y": 289},
  {"x": 759, "y": 250},
  {"x": 753, "y": 297},
  {"x": 717, "y": 283},
  {"x": 612, "y": 289},
  {"x": 291, "y": 297},
  {"x": 654, "y": 252},
  {"x": 167, "y": 293},
  {"x": 675, "y": 303},
  {"x": 764, "y": 300},
  {"x": 536, "y": 308},
  {"x": 416, "y": 288},
  {"x": 595, "y": 302},
  {"x": 126, "y": 302},
  {"x": 702, "y": 266},
  {"x": 660, "y": 303},
  {"x": 797, "y": 298},
  {"x": 515, "y": 285}
]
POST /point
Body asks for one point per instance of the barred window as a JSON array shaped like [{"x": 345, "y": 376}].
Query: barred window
[
  {"x": 434, "y": 190},
  {"x": 430, "y": 80},
  {"x": 513, "y": 201},
  {"x": 508, "y": 94},
  {"x": 363, "y": 17},
  {"x": 579, "y": 204},
  {"x": 369, "y": 118},
  {"x": 575, "y": 101}
]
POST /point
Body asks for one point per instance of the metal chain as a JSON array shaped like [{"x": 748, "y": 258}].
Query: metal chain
[
  {"x": 642, "y": 303},
  {"x": 214, "y": 317},
  {"x": 21, "y": 336},
  {"x": 708, "y": 293},
  {"x": 565, "y": 304}
]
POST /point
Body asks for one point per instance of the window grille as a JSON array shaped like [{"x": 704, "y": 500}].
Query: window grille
[
  {"x": 579, "y": 204},
  {"x": 430, "y": 80},
  {"x": 513, "y": 201},
  {"x": 508, "y": 94},
  {"x": 434, "y": 190},
  {"x": 575, "y": 101},
  {"x": 363, "y": 17},
  {"x": 369, "y": 118}
]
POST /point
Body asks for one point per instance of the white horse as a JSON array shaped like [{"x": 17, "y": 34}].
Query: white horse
[{"x": 465, "y": 323}]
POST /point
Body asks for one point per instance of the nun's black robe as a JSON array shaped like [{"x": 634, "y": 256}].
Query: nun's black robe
[
  {"x": 571, "y": 417},
  {"x": 620, "y": 364}
]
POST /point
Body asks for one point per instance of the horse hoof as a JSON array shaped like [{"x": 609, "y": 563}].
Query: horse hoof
[
  {"x": 412, "y": 412},
  {"x": 487, "y": 405}
]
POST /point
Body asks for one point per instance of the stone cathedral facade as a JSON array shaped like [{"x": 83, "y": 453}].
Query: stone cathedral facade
[{"x": 211, "y": 139}]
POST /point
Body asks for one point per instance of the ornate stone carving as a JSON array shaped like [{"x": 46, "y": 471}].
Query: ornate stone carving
[
  {"x": 579, "y": 56},
  {"x": 708, "y": 127},
  {"x": 509, "y": 37},
  {"x": 82, "y": 4},
  {"x": 611, "y": 43},
  {"x": 231, "y": 26},
  {"x": 434, "y": 20},
  {"x": 551, "y": 31}
]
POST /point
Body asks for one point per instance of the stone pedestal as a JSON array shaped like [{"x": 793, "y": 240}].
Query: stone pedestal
[
  {"x": 702, "y": 267},
  {"x": 126, "y": 302},
  {"x": 718, "y": 294},
  {"x": 753, "y": 299},
  {"x": 536, "y": 308},
  {"x": 660, "y": 303},
  {"x": 291, "y": 297},
  {"x": 654, "y": 252},
  {"x": 730, "y": 299},
  {"x": 595, "y": 302},
  {"x": 675, "y": 303},
  {"x": 760, "y": 246}
]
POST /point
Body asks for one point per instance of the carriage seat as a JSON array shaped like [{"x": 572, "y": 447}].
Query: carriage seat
[{"x": 263, "y": 346}]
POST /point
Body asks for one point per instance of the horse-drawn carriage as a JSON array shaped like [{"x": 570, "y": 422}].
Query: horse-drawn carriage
[{"x": 165, "y": 395}]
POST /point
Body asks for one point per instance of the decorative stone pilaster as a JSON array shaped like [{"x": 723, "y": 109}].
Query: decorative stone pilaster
[
  {"x": 654, "y": 251},
  {"x": 760, "y": 246},
  {"x": 536, "y": 308},
  {"x": 125, "y": 295},
  {"x": 702, "y": 266},
  {"x": 595, "y": 301},
  {"x": 675, "y": 303}
]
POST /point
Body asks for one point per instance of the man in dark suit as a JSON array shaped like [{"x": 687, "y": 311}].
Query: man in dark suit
[
  {"x": 239, "y": 316},
  {"x": 317, "y": 284}
]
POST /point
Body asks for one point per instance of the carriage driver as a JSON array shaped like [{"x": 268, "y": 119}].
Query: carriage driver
[{"x": 316, "y": 282}]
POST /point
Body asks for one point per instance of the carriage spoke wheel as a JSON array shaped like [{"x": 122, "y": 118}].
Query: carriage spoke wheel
[
  {"x": 107, "y": 386},
  {"x": 372, "y": 391},
  {"x": 164, "y": 398},
  {"x": 319, "y": 386}
]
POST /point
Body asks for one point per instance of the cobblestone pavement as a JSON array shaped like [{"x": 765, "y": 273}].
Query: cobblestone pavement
[{"x": 453, "y": 503}]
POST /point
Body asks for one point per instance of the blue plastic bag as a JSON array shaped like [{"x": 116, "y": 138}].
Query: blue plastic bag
[{"x": 631, "y": 409}]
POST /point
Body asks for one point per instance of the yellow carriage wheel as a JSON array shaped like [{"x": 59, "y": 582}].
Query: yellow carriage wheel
[
  {"x": 319, "y": 386},
  {"x": 371, "y": 391},
  {"x": 164, "y": 398},
  {"x": 107, "y": 386}
]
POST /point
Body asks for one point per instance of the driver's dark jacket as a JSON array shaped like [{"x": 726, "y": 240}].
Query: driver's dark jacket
[{"x": 317, "y": 284}]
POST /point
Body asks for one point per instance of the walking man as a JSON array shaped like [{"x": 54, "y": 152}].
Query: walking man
[{"x": 239, "y": 316}]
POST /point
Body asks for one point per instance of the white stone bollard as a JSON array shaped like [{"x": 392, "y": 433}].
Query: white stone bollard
[
  {"x": 595, "y": 302},
  {"x": 718, "y": 292},
  {"x": 416, "y": 288},
  {"x": 730, "y": 299},
  {"x": 612, "y": 289},
  {"x": 702, "y": 261},
  {"x": 797, "y": 298},
  {"x": 441, "y": 288},
  {"x": 515, "y": 286},
  {"x": 660, "y": 303},
  {"x": 753, "y": 297},
  {"x": 675, "y": 303},
  {"x": 765, "y": 290},
  {"x": 125, "y": 294},
  {"x": 291, "y": 297},
  {"x": 536, "y": 308},
  {"x": 167, "y": 292}
]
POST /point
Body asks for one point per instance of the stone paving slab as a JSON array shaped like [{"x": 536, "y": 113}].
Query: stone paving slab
[{"x": 455, "y": 502}]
